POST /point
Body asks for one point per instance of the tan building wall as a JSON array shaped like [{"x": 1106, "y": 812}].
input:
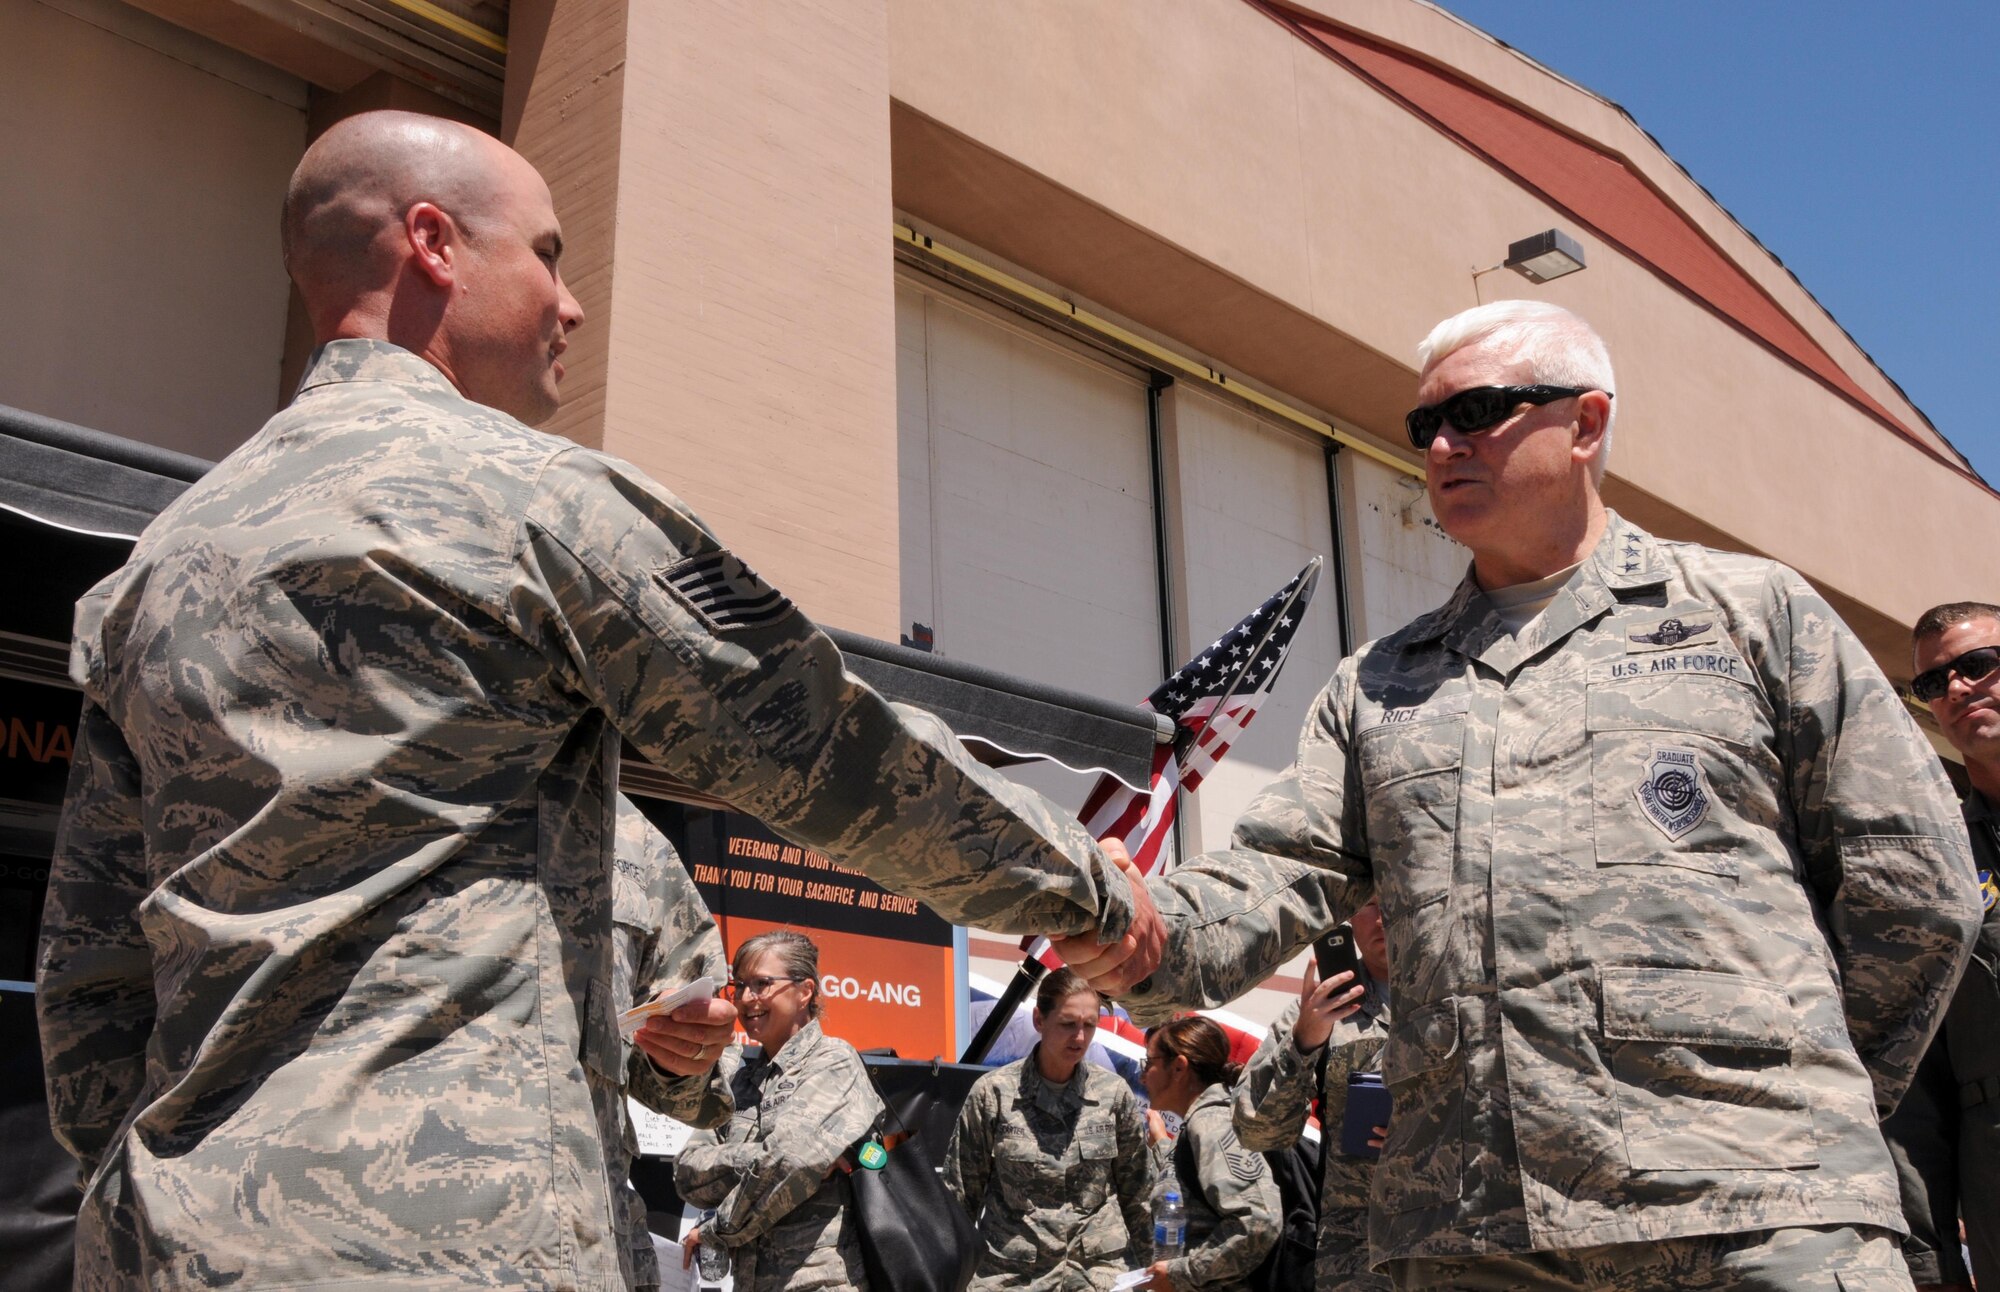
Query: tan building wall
[
  {"x": 144, "y": 170},
  {"x": 1198, "y": 169}
]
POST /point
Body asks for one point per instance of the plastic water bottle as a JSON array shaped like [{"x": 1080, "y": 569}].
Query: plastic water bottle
[
  {"x": 711, "y": 1258},
  {"x": 1169, "y": 1222}
]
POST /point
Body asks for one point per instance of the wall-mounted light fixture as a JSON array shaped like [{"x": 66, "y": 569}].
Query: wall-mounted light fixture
[
  {"x": 1548, "y": 255},
  {"x": 1539, "y": 258}
]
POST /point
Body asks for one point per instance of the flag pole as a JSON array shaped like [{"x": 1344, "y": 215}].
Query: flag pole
[{"x": 1026, "y": 975}]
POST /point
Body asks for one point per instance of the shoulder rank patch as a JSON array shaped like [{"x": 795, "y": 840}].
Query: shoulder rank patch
[
  {"x": 1243, "y": 1164},
  {"x": 1989, "y": 889},
  {"x": 1670, "y": 632},
  {"x": 1673, "y": 792},
  {"x": 723, "y": 592}
]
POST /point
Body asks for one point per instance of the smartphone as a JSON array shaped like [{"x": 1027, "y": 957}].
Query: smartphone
[{"x": 1336, "y": 954}]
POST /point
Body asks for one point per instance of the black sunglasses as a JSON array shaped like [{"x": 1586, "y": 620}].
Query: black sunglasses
[
  {"x": 1932, "y": 683},
  {"x": 1480, "y": 409}
]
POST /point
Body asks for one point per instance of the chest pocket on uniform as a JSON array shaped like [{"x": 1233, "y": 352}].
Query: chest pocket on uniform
[
  {"x": 1681, "y": 772},
  {"x": 1410, "y": 776}
]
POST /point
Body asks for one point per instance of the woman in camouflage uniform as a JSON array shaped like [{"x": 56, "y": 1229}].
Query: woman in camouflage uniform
[
  {"x": 802, "y": 1099},
  {"x": 1049, "y": 1159},
  {"x": 1232, "y": 1202}
]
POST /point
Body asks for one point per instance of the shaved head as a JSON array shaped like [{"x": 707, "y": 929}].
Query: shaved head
[
  {"x": 360, "y": 178},
  {"x": 438, "y": 238}
]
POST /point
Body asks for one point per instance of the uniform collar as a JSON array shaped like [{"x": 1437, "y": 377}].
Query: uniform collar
[
  {"x": 1978, "y": 807},
  {"x": 1216, "y": 1094},
  {"x": 1625, "y": 559},
  {"x": 795, "y": 1050},
  {"x": 363, "y": 359},
  {"x": 1039, "y": 1090}
]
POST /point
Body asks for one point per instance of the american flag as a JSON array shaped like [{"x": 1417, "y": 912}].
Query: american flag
[{"x": 1211, "y": 701}]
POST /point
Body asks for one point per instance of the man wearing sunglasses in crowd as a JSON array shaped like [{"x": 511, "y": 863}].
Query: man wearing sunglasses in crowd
[
  {"x": 1675, "y": 890},
  {"x": 1946, "y": 1134}
]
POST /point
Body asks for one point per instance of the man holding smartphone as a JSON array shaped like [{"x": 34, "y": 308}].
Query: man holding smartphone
[{"x": 1333, "y": 1030}]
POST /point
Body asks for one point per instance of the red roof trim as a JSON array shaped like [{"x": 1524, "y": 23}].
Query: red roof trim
[{"x": 1596, "y": 188}]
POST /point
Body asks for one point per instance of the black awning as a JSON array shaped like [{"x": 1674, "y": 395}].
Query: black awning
[
  {"x": 76, "y": 497},
  {"x": 78, "y": 479},
  {"x": 1013, "y": 718}
]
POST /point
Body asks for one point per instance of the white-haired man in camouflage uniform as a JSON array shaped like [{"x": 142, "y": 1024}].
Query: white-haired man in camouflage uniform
[
  {"x": 328, "y": 940},
  {"x": 1675, "y": 890}
]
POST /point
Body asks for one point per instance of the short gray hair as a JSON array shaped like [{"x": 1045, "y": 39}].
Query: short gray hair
[{"x": 1561, "y": 349}]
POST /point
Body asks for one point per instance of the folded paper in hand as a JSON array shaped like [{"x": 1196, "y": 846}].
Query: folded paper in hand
[{"x": 634, "y": 1018}]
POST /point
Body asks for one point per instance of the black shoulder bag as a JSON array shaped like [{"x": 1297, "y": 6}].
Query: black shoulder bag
[{"x": 914, "y": 1237}]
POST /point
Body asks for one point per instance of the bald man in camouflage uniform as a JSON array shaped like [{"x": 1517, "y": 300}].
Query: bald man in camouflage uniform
[
  {"x": 663, "y": 938},
  {"x": 1675, "y": 890},
  {"x": 328, "y": 944}
]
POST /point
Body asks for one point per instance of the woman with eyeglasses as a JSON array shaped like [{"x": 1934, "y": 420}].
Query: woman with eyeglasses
[
  {"x": 1049, "y": 1159},
  {"x": 802, "y": 1098},
  {"x": 1232, "y": 1202}
]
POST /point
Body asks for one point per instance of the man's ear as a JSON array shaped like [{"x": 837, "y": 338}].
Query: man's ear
[
  {"x": 434, "y": 241},
  {"x": 1593, "y": 414}
]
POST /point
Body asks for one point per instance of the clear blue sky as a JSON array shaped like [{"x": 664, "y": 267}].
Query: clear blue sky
[{"x": 1859, "y": 140}]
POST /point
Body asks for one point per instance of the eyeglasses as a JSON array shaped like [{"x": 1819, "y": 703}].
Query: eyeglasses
[
  {"x": 1481, "y": 408},
  {"x": 1932, "y": 683},
  {"x": 758, "y": 986}
]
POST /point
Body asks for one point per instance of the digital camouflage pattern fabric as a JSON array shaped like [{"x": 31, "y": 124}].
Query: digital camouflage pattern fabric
[
  {"x": 779, "y": 1210},
  {"x": 1827, "y": 1258},
  {"x": 1058, "y": 1179},
  {"x": 328, "y": 944},
  {"x": 1272, "y": 1102},
  {"x": 662, "y": 939},
  {"x": 1232, "y": 1204},
  {"x": 1636, "y": 996}
]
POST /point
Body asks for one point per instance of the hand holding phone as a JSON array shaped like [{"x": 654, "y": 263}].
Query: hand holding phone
[{"x": 1336, "y": 953}]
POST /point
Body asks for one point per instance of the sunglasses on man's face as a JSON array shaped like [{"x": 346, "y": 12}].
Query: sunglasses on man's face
[
  {"x": 1932, "y": 683},
  {"x": 1480, "y": 409}
]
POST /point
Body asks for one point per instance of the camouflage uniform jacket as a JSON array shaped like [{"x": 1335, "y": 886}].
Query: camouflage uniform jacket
[
  {"x": 1273, "y": 1100},
  {"x": 328, "y": 940},
  {"x": 1232, "y": 1208},
  {"x": 1057, "y": 1178},
  {"x": 1675, "y": 895},
  {"x": 663, "y": 939},
  {"x": 779, "y": 1211}
]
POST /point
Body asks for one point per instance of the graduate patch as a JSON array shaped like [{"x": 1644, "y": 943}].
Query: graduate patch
[
  {"x": 1989, "y": 889},
  {"x": 723, "y": 592},
  {"x": 1670, "y": 632},
  {"x": 1673, "y": 793}
]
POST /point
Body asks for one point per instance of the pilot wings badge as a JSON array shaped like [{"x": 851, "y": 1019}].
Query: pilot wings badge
[
  {"x": 1674, "y": 793},
  {"x": 1671, "y": 632}
]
